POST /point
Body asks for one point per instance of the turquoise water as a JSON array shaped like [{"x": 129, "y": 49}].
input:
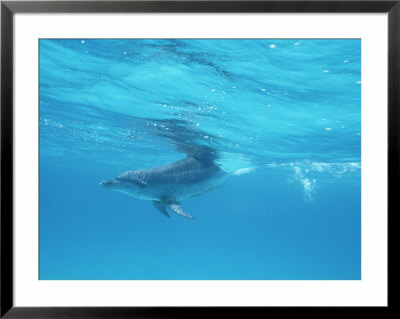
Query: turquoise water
[{"x": 283, "y": 118}]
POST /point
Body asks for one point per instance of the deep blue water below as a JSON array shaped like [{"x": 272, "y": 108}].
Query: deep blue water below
[{"x": 281, "y": 117}]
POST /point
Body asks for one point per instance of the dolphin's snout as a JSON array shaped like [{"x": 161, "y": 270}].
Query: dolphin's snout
[{"x": 108, "y": 183}]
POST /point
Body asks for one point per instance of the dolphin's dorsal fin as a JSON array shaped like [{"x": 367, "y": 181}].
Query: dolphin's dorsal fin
[
  {"x": 162, "y": 207},
  {"x": 176, "y": 208},
  {"x": 202, "y": 153}
]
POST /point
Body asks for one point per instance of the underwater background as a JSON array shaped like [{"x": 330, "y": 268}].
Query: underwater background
[{"x": 283, "y": 117}]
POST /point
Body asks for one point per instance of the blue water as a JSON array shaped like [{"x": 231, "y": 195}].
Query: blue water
[{"x": 283, "y": 117}]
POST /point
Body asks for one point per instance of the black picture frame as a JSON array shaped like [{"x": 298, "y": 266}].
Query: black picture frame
[{"x": 9, "y": 8}]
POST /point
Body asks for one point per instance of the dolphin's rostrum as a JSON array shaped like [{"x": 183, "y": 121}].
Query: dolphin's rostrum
[{"x": 167, "y": 185}]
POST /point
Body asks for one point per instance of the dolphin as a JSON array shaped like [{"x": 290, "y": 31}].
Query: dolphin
[{"x": 167, "y": 185}]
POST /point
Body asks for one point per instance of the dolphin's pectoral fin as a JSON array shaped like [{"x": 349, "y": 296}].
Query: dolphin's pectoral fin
[
  {"x": 176, "y": 208},
  {"x": 161, "y": 206}
]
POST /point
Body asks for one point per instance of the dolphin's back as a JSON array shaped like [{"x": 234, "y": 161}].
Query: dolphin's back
[{"x": 185, "y": 172}]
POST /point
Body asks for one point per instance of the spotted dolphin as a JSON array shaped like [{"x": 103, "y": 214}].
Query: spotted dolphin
[{"x": 167, "y": 185}]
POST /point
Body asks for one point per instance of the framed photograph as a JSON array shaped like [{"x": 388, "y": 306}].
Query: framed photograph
[{"x": 182, "y": 158}]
